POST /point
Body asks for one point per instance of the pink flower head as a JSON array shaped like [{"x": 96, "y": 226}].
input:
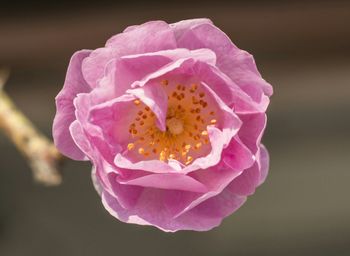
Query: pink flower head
[{"x": 171, "y": 116}]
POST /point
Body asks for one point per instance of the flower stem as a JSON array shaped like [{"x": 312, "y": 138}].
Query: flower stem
[{"x": 42, "y": 155}]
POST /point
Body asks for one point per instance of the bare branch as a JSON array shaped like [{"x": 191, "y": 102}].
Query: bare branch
[{"x": 42, "y": 155}]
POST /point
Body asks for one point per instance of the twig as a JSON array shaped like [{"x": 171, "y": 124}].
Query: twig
[{"x": 42, "y": 155}]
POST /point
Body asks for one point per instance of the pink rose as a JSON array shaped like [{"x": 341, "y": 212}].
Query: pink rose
[{"x": 171, "y": 116}]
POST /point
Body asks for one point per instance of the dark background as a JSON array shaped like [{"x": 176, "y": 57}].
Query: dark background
[{"x": 301, "y": 47}]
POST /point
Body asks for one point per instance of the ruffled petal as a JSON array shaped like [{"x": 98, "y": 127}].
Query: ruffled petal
[
  {"x": 251, "y": 132},
  {"x": 170, "y": 181},
  {"x": 236, "y": 63},
  {"x": 210, "y": 213},
  {"x": 181, "y": 27},
  {"x": 148, "y": 37},
  {"x": 113, "y": 117},
  {"x": 228, "y": 90},
  {"x": 73, "y": 85},
  {"x": 246, "y": 183},
  {"x": 172, "y": 210},
  {"x": 264, "y": 164},
  {"x": 204, "y": 217}
]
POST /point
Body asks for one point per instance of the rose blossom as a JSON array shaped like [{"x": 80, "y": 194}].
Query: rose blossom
[{"x": 171, "y": 116}]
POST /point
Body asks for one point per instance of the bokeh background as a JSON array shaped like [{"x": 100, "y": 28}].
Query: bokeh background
[{"x": 301, "y": 47}]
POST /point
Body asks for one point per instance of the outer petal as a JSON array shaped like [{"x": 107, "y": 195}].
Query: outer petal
[
  {"x": 204, "y": 217},
  {"x": 182, "y": 26},
  {"x": 172, "y": 210},
  {"x": 237, "y": 156},
  {"x": 246, "y": 183},
  {"x": 172, "y": 181},
  {"x": 264, "y": 163},
  {"x": 149, "y": 37},
  {"x": 168, "y": 209},
  {"x": 94, "y": 66},
  {"x": 210, "y": 213},
  {"x": 84, "y": 103},
  {"x": 155, "y": 207},
  {"x": 74, "y": 84},
  {"x": 251, "y": 132},
  {"x": 237, "y": 64}
]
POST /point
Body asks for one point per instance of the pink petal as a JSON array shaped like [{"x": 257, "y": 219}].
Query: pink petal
[
  {"x": 182, "y": 65},
  {"x": 251, "y": 132},
  {"x": 155, "y": 97},
  {"x": 215, "y": 178},
  {"x": 237, "y": 156},
  {"x": 172, "y": 181},
  {"x": 120, "y": 73},
  {"x": 211, "y": 212},
  {"x": 237, "y": 64},
  {"x": 113, "y": 118},
  {"x": 207, "y": 216},
  {"x": 154, "y": 166},
  {"x": 148, "y": 37},
  {"x": 73, "y": 85},
  {"x": 246, "y": 183},
  {"x": 94, "y": 66},
  {"x": 127, "y": 195},
  {"x": 182, "y": 26},
  {"x": 168, "y": 209},
  {"x": 149, "y": 58},
  {"x": 154, "y": 207},
  {"x": 84, "y": 104},
  {"x": 227, "y": 90},
  {"x": 264, "y": 164}
]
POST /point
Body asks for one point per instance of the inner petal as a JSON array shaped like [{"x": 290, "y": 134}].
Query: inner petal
[{"x": 190, "y": 111}]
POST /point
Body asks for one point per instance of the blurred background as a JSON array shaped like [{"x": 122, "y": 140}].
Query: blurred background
[{"x": 301, "y": 47}]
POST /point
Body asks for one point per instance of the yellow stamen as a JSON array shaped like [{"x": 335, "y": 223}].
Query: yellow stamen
[
  {"x": 189, "y": 160},
  {"x": 162, "y": 156},
  {"x": 187, "y": 147},
  {"x": 131, "y": 146},
  {"x": 198, "y": 145}
]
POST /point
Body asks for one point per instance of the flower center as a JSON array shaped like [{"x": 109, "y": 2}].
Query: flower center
[
  {"x": 175, "y": 126},
  {"x": 186, "y": 135}
]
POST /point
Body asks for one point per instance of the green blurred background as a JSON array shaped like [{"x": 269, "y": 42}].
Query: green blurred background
[{"x": 301, "y": 47}]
